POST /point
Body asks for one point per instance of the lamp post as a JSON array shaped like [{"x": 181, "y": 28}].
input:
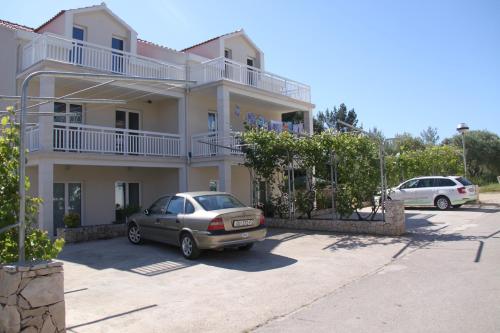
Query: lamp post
[{"x": 463, "y": 128}]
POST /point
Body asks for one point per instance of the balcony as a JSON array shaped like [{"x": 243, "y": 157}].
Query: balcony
[
  {"x": 96, "y": 57},
  {"x": 97, "y": 139},
  {"x": 211, "y": 144},
  {"x": 227, "y": 69}
]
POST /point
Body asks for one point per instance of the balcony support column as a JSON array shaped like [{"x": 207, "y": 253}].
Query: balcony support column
[
  {"x": 223, "y": 118},
  {"x": 46, "y": 193},
  {"x": 47, "y": 89},
  {"x": 308, "y": 121},
  {"x": 183, "y": 180},
  {"x": 181, "y": 124},
  {"x": 225, "y": 176}
]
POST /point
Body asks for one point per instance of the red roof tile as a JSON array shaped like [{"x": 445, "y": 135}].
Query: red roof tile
[{"x": 14, "y": 26}]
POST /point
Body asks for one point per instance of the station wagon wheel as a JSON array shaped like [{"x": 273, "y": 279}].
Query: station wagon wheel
[
  {"x": 443, "y": 203},
  {"x": 188, "y": 246},
  {"x": 134, "y": 235}
]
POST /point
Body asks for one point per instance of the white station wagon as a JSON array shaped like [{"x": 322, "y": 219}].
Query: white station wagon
[{"x": 442, "y": 192}]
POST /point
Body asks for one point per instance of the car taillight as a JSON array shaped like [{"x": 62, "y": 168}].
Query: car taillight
[
  {"x": 262, "y": 220},
  {"x": 461, "y": 190},
  {"x": 216, "y": 224}
]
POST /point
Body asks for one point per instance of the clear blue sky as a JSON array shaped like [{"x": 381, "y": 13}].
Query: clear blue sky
[{"x": 403, "y": 65}]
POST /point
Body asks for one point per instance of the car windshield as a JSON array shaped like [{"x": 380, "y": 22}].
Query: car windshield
[
  {"x": 218, "y": 201},
  {"x": 464, "y": 181}
]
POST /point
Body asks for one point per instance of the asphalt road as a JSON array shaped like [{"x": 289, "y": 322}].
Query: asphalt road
[
  {"x": 447, "y": 280},
  {"x": 443, "y": 276}
]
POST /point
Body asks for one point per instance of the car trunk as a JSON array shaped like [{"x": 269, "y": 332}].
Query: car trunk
[{"x": 239, "y": 218}]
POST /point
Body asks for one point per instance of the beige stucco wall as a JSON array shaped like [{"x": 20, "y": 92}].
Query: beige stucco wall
[
  {"x": 237, "y": 123},
  {"x": 98, "y": 184},
  {"x": 240, "y": 184},
  {"x": 241, "y": 50},
  {"x": 199, "y": 178},
  {"x": 160, "y": 53},
  {"x": 56, "y": 26},
  {"x": 8, "y": 55},
  {"x": 199, "y": 106},
  {"x": 210, "y": 50},
  {"x": 101, "y": 27}
]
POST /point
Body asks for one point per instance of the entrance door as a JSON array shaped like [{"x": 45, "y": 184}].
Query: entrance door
[
  {"x": 127, "y": 142},
  {"x": 117, "y": 57},
  {"x": 67, "y": 199},
  {"x": 126, "y": 199}
]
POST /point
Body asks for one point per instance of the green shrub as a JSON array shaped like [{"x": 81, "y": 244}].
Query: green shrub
[
  {"x": 72, "y": 220},
  {"x": 37, "y": 246}
]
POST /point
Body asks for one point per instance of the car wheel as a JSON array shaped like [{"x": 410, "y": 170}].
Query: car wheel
[
  {"x": 134, "y": 234},
  {"x": 189, "y": 248},
  {"x": 246, "y": 247},
  {"x": 442, "y": 203},
  {"x": 457, "y": 206}
]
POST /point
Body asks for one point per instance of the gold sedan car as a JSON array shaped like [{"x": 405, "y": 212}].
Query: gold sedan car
[{"x": 197, "y": 221}]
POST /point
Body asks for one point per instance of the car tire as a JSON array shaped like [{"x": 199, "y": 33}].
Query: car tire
[
  {"x": 134, "y": 234},
  {"x": 442, "y": 203},
  {"x": 246, "y": 247},
  {"x": 189, "y": 248},
  {"x": 456, "y": 206}
]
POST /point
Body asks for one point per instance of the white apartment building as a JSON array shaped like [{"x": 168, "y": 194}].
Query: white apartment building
[{"x": 103, "y": 157}]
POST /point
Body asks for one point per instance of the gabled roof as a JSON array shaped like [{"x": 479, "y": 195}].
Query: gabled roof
[
  {"x": 239, "y": 32},
  {"x": 15, "y": 26},
  {"x": 102, "y": 6},
  {"x": 143, "y": 41}
]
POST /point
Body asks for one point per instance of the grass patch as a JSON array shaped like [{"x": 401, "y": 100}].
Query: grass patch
[{"x": 490, "y": 188}]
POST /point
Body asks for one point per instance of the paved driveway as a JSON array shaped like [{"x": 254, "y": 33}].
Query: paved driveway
[{"x": 114, "y": 286}]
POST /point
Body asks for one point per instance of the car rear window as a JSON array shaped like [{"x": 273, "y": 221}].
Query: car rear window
[
  {"x": 464, "y": 181},
  {"x": 445, "y": 182},
  {"x": 218, "y": 201}
]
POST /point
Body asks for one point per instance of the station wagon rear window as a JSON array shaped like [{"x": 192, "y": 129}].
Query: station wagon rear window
[
  {"x": 218, "y": 201},
  {"x": 463, "y": 181}
]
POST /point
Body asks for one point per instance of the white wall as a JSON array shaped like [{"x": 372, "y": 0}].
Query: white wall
[
  {"x": 57, "y": 26},
  {"x": 199, "y": 178},
  {"x": 241, "y": 50},
  {"x": 210, "y": 50},
  {"x": 8, "y": 55}
]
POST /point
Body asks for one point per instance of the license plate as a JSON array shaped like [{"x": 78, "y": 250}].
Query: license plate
[{"x": 242, "y": 223}]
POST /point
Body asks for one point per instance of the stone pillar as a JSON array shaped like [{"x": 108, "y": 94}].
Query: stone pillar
[
  {"x": 46, "y": 193},
  {"x": 308, "y": 121},
  {"x": 183, "y": 183},
  {"x": 47, "y": 89},
  {"x": 225, "y": 176},
  {"x": 395, "y": 217},
  {"x": 32, "y": 298},
  {"x": 181, "y": 124},
  {"x": 223, "y": 118}
]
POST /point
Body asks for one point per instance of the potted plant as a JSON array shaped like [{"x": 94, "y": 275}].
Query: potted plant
[{"x": 71, "y": 220}]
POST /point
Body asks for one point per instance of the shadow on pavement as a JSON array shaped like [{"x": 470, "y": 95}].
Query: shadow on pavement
[{"x": 150, "y": 258}]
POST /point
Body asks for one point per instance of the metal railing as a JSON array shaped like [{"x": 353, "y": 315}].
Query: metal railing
[
  {"x": 32, "y": 135},
  {"x": 223, "y": 68},
  {"x": 97, "y": 139},
  {"x": 97, "y": 57},
  {"x": 212, "y": 144}
]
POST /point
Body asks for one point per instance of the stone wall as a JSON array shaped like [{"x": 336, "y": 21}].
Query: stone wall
[
  {"x": 92, "y": 232},
  {"x": 32, "y": 298},
  {"x": 394, "y": 224}
]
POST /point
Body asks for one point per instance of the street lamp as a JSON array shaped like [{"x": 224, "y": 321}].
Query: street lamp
[{"x": 463, "y": 128}]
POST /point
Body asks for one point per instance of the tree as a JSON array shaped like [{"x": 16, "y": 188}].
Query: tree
[
  {"x": 430, "y": 136},
  {"x": 38, "y": 244},
  {"x": 329, "y": 119},
  {"x": 482, "y": 153},
  {"x": 404, "y": 142}
]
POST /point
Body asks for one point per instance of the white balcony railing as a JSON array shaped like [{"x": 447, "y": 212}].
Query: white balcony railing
[
  {"x": 84, "y": 54},
  {"x": 96, "y": 139},
  {"x": 223, "y": 68},
  {"x": 32, "y": 138},
  {"x": 211, "y": 144}
]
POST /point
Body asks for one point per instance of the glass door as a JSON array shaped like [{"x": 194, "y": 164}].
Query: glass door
[
  {"x": 117, "y": 57},
  {"x": 127, "y": 199},
  {"x": 59, "y": 206},
  {"x": 212, "y": 128},
  {"x": 67, "y": 199},
  {"x": 76, "y": 53}
]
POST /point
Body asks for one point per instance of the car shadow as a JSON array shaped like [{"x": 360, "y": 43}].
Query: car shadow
[{"x": 151, "y": 258}]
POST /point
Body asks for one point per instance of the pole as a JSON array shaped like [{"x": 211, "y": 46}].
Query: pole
[
  {"x": 332, "y": 184},
  {"x": 465, "y": 160},
  {"x": 22, "y": 168},
  {"x": 382, "y": 178}
]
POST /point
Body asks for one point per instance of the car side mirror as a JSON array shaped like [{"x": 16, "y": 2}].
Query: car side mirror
[{"x": 146, "y": 211}]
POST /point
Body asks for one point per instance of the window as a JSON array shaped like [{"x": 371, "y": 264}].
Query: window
[
  {"x": 126, "y": 195},
  {"x": 76, "y": 53},
  {"x": 67, "y": 198},
  {"x": 218, "y": 201},
  {"x": 189, "y": 207},
  {"x": 443, "y": 182},
  {"x": 117, "y": 57},
  {"x": 464, "y": 181},
  {"x": 176, "y": 206},
  {"x": 228, "y": 53},
  {"x": 159, "y": 206},
  {"x": 426, "y": 182},
  {"x": 410, "y": 184},
  {"x": 69, "y": 113},
  {"x": 251, "y": 73}
]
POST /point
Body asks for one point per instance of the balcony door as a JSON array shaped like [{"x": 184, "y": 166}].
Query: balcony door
[
  {"x": 212, "y": 128},
  {"x": 117, "y": 56},
  {"x": 251, "y": 73},
  {"x": 67, "y": 137},
  {"x": 127, "y": 141},
  {"x": 127, "y": 198},
  {"x": 76, "y": 53},
  {"x": 67, "y": 198}
]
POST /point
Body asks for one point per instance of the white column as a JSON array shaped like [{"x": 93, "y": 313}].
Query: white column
[
  {"x": 181, "y": 123},
  {"x": 46, "y": 193},
  {"x": 223, "y": 118},
  {"x": 183, "y": 181},
  {"x": 308, "y": 121},
  {"x": 225, "y": 176},
  {"x": 47, "y": 89}
]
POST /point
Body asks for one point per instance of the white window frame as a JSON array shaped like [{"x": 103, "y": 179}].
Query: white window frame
[
  {"x": 66, "y": 197},
  {"x": 127, "y": 182},
  {"x": 67, "y": 112},
  {"x": 216, "y": 120},
  {"x": 127, "y": 111},
  {"x": 80, "y": 27}
]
